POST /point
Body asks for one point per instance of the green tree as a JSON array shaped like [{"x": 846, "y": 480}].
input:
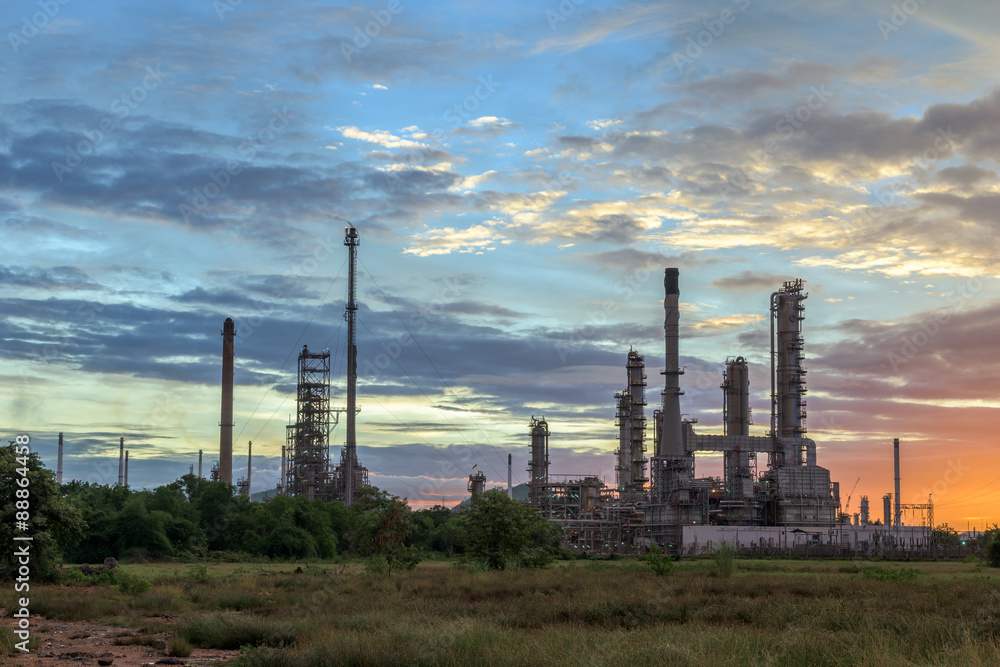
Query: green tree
[
  {"x": 53, "y": 524},
  {"x": 504, "y": 534},
  {"x": 394, "y": 527},
  {"x": 946, "y": 535}
]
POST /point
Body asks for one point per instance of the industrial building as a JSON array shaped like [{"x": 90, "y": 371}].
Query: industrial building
[{"x": 772, "y": 486}]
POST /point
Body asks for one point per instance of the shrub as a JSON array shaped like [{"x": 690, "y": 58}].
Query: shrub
[
  {"x": 658, "y": 562},
  {"x": 230, "y": 631},
  {"x": 725, "y": 559},
  {"x": 131, "y": 584},
  {"x": 179, "y": 647},
  {"x": 993, "y": 552},
  {"x": 880, "y": 573}
]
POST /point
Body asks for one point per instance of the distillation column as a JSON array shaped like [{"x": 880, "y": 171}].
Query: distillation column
[
  {"x": 623, "y": 466},
  {"x": 736, "y": 409},
  {"x": 788, "y": 377},
  {"x": 538, "y": 468},
  {"x": 636, "y": 369}
]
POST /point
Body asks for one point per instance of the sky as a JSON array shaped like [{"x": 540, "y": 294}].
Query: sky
[{"x": 520, "y": 174}]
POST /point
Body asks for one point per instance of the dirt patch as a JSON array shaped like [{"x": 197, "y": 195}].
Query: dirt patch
[{"x": 81, "y": 643}]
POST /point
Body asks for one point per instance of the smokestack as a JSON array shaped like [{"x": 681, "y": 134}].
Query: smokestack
[
  {"x": 121, "y": 461},
  {"x": 671, "y": 444},
  {"x": 226, "y": 425},
  {"x": 510, "y": 488},
  {"x": 249, "y": 464},
  {"x": 281, "y": 482},
  {"x": 351, "y": 240},
  {"x": 126, "y": 468},
  {"x": 199, "y": 464},
  {"x": 191, "y": 469},
  {"x": 896, "y": 510},
  {"x": 59, "y": 468}
]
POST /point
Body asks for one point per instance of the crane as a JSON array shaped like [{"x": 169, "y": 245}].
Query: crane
[{"x": 848, "y": 505}]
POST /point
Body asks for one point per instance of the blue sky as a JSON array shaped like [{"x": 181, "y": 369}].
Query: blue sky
[{"x": 520, "y": 174}]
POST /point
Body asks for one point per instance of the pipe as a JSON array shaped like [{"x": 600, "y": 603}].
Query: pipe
[
  {"x": 226, "y": 425},
  {"x": 672, "y": 444},
  {"x": 897, "y": 515},
  {"x": 121, "y": 461},
  {"x": 59, "y": 467}
]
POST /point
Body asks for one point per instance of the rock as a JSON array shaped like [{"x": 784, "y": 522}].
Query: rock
[
  {"x": 159, "y": 645},
  {"x": 105, "y": 661},
  {"x": 110, "y": 563},
  {"x": 169, "y": 661}
]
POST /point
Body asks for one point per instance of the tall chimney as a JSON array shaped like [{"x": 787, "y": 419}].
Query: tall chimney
[
  {"x": 121, "y": 461},
  {"x": 199, "y": 464},
  {"x": 351, "y": 240},
  {"x": 126, "y": 468},
  {"x": 281, "y": 482},
  {"x": 897, "y": 515},
  {"x": 671, "y": 444},
  {"x": 59, "y": 468},
  {"x": 510, "y": 489},
  {"x": 249, "y": 464},
  {"x": 226, "y": 425}
]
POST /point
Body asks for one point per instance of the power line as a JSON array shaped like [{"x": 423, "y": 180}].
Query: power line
[{"x": 427, "y": 357}]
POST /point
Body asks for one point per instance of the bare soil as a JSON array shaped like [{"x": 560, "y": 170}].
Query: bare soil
[{"x": 82, "y": 643}]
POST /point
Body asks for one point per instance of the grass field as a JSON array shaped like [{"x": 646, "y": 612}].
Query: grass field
[{"x": 575, "y": 613}]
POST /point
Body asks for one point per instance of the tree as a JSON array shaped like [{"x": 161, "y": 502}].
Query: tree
[
  {"x": 52, "y": 523},
  {"x": 395, "y": 526},
  {"x": 503, "y": 534},
  {"x": 946, "y": 535}
]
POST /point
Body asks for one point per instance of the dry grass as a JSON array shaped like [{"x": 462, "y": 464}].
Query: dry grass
[{"x": 766, "y": 613}]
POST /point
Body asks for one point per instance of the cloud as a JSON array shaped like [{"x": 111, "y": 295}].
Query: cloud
[
  {"x": 478, "y": 238},
  {"x": 380, "y": 137},
  {"x": 751, "y": 281}
]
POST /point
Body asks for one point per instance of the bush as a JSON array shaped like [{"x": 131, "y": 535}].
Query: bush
[
  {"x": 880, "y": 573},
  {"x": 993, "y": 552},
  {"x": 131, "y": 584},
  {"x": 179, "y": 647},
  {"x": 230, "y": 631},
  {"x": 660, "y": 564},
  {"x": 725, "y": 559}
]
